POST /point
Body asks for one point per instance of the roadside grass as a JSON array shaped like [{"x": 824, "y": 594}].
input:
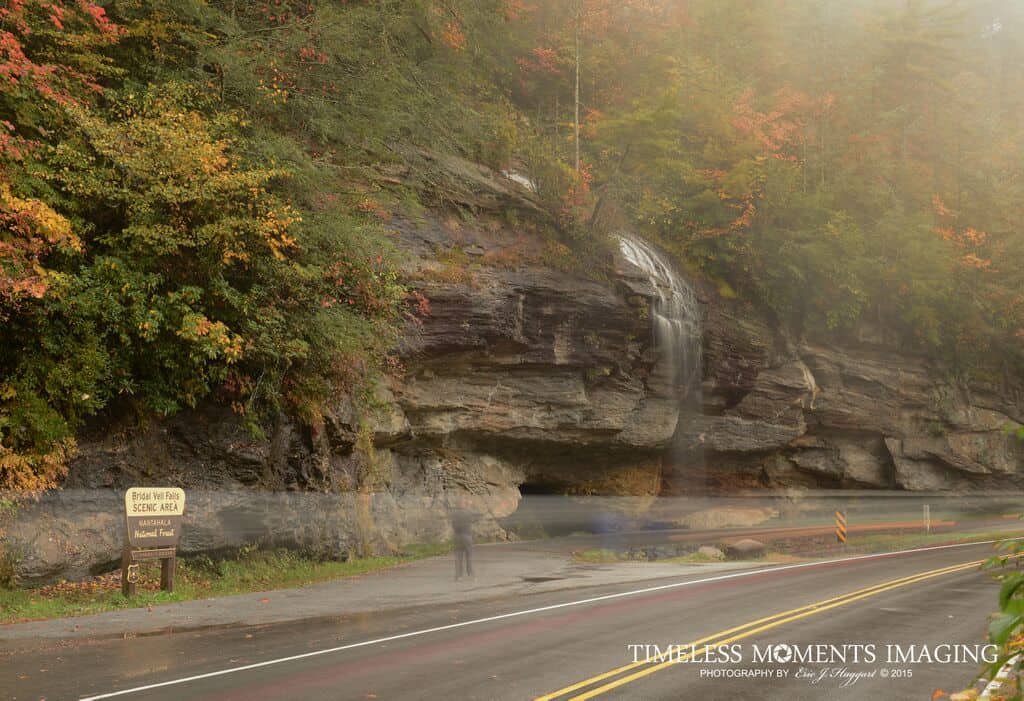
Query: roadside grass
[
  {"x": 196, "y": 578},
  {"x": 804, "y": 549},
  {"x": 597, "y": 556},
  {"x": 782, "y": 558},
  {"x": 887, "y": 542},
  {"x": 694, "y": 558},
  {"x": 772, "y": 556}
]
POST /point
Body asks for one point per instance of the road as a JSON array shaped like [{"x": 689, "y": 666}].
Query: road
[{"x": 573, "y": 642}]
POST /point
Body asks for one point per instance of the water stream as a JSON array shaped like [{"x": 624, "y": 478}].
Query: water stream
[{"x": 675, "y": 320}]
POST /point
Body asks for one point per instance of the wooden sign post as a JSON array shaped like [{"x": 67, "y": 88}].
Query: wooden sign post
[{"x": 153, "y": 517}]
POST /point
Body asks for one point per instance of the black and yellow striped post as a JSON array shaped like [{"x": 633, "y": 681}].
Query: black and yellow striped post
[{"x": 841, "y": 527}]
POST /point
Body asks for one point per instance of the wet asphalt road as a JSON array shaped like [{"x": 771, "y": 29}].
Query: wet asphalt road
[{"x": 530, "y": 655}]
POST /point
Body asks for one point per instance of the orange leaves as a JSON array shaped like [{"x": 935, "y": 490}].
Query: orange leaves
[
  {"x": 747, "y": 217},
  {"x": 972, "y": 261},
  {"x": 30, "y": 472},
  {"x": 941, "y": 210},
  {"x": 777, "y": 130},
  {"x": 35, "y": 220},
  {"x": 599, "y": 17},
  {"x": 782, "y": 130},
  {"x": 515, "y": 10},
  {"x": 541, "y": 60},
  {"x": 214, "y": 337},
  {"x": 177, "y": 163},
  {"x": 591, "y": 122},
  {"x": 451, "y": 26},
  {"x": 974, "y": 237},
  {"x": 965, "y": 239},
  {"x": 452, "y": 35}
]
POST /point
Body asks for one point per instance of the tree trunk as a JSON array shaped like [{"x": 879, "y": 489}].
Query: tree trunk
[{"x": 576, "y": 120}]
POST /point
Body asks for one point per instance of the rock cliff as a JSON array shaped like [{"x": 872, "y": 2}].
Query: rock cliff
[
  {"x": 860, "y": 415},
  {"x": 524, "y": 377}
]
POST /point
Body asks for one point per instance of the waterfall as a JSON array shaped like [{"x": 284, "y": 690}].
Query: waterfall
[
  {"x": 675, "y": 318},
  {"x": 675, "y": 315}
]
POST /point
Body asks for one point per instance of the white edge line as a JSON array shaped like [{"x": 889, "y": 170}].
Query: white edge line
[
  {"x": 513, "y": 614},
  {"x": 997, "y": 681}
]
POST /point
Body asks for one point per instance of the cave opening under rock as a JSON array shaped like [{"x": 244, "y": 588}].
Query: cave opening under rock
[
  {"x": 547, "y": 510},
  {"x": 541, "y": 488}
]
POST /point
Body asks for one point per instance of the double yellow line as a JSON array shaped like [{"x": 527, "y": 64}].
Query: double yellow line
[{"x": 643, "y": 668}]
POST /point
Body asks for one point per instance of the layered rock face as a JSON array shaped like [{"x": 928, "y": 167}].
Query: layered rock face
[
  {"x": 551, "y": 374},
  {"x": 559, "y": 377},
  {"x": 521, "y": 378},
  {"x": 863, "y": 415}
]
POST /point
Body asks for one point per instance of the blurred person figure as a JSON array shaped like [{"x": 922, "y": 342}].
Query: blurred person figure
[{"x": 462, "y": 527}]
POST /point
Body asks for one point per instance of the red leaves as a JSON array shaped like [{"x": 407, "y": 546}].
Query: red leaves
[
  {"x": 578, "y": 191},
  {"x": 419, "y": 307},
  {"x": 308, "y": 54},
  {"x": 99, "y": 17},
  {"x": 364, "y": 285},
  {"x": 79, "y": 25},
  {"x": 14, "y": 64},
  {"x": 57, "y": 17}
]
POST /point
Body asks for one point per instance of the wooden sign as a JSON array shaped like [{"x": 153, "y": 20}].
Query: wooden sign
[{"x": 154, "y": 516}]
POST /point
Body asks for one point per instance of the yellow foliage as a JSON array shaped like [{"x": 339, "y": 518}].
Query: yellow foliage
[
  {"x": 30, "y": 472},
  {"x": 29, "y": 229}
]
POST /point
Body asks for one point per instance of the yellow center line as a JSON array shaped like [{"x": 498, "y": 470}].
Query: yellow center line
[
  {"x": 746, "y": 634},
  {"x": 809, "y": 608}
]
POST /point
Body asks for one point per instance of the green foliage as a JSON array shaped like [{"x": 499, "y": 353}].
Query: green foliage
[
  {"x": 158, "y": 247},
  {"x": 196, "y": 273},
  {"x": 1007, "y": 628},
  {"x": 361, "y": 81},
  {"x": 8, "y": 557},
  {"x": 841, "y": 163}
]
